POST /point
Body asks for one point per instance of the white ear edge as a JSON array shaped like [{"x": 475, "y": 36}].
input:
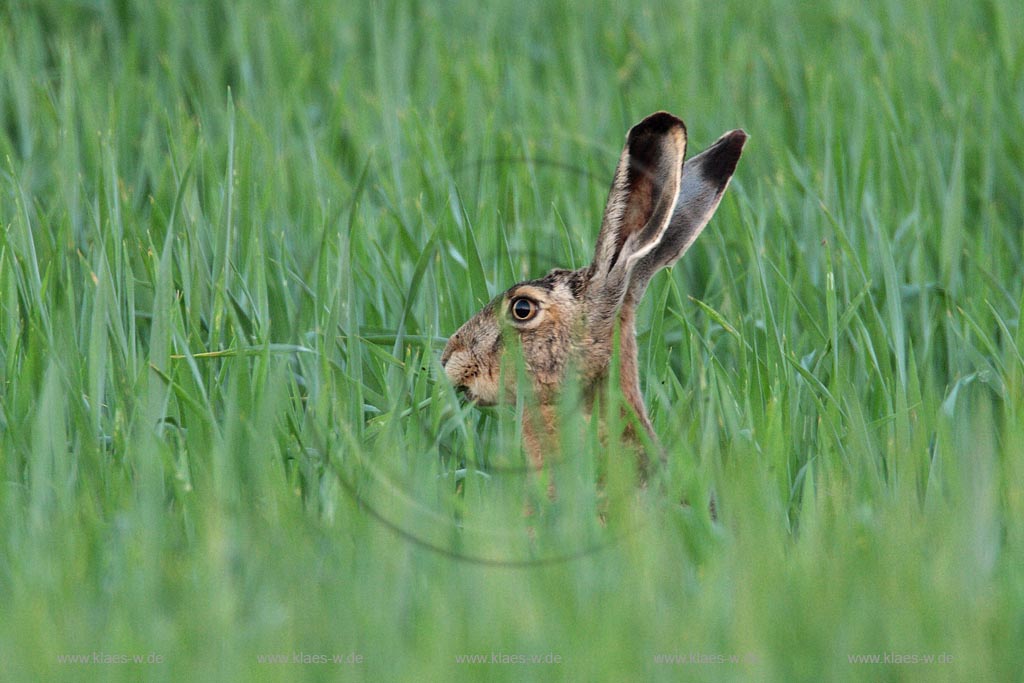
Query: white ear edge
[
  {"x": 652, "y": 244},
  {"x": 662, "y": 216}
]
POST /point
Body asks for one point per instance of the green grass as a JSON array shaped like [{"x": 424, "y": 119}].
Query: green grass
[{"x": 319, "y": 193}]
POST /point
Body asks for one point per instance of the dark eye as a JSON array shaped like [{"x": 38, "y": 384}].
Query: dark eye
[{"x": 524, "y": 309}]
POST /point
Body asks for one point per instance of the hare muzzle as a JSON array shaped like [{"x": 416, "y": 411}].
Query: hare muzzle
[{"x": 471, "y": 359}]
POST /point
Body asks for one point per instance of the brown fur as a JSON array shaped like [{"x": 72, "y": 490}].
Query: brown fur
[{"x": 656, "y": 208}]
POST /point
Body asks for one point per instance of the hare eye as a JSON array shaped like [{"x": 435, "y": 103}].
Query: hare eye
[{"x": 524, "y": 309}]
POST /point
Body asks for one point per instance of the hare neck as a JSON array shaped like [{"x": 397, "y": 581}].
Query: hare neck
[{"x": 629, "y": 371}]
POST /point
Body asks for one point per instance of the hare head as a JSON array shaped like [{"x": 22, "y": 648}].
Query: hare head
[{"x": 566, "y": 320}]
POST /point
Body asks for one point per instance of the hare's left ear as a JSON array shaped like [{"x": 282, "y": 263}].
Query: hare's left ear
[{"x": 640, "y": 206}]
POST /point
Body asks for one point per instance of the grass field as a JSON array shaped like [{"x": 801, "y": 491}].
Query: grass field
[{"x": 234, "y": 236}]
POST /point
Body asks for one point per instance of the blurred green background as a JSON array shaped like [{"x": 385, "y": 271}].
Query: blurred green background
[{"x": 234, "y": 236}]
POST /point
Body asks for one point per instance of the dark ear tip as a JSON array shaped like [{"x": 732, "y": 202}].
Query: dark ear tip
[
  {"x": 733, "y": 141},
  {"x": 724, "y": 155},
  {"x": 658, "y": 123},
  {"x": 738, "y": 136}
]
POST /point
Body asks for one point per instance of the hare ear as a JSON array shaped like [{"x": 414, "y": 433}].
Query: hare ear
[
  {"x": 640, "y": 203},
  {"x": 705, "y": 178}
]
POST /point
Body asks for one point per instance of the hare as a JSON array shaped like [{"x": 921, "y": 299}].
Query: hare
[{"x": 566, "y": 321}]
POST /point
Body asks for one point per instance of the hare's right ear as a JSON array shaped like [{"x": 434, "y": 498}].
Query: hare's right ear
[
  {"x": 705, "y": 178},
  {"x": 639, "y": 209}
]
